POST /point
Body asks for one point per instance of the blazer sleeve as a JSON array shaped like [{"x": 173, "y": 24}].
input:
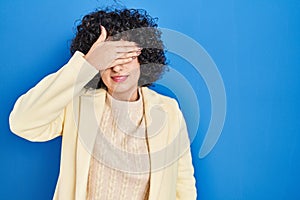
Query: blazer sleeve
[
  {"x": 38, "y": 115},
  {"x": 186, "y": 183}
]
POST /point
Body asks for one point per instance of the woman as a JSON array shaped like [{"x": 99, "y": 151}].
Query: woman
[{"x": 120, "y": 139}]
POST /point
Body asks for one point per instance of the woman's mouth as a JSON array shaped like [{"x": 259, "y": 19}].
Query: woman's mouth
[{"x": 119, "y": 79}]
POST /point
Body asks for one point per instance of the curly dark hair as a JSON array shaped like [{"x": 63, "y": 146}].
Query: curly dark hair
[{"x": 128, "y": 24}]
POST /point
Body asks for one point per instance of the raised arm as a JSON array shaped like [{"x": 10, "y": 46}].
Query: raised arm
[{"x": 38, "y": 115}]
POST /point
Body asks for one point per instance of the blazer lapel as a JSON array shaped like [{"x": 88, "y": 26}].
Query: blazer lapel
[
  {"x": 91, "y": 108},
  {"x": 157, "y": 134}
]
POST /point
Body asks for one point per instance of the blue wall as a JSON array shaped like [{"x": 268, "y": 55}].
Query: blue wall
[{"x": 255, "y": 45}]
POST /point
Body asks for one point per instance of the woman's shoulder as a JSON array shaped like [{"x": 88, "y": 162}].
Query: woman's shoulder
[{"x": 153, "y": 97}]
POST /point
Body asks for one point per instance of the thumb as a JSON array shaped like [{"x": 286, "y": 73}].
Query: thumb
[{"x": 103, "y": 35}]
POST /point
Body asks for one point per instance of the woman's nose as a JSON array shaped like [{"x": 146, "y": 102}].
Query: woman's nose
[{"x": 117, "y": 68}]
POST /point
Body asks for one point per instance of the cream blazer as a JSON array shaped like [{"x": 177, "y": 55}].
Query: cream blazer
[{"x": 60, "y": 106}]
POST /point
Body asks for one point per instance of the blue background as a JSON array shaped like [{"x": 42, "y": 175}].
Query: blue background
[{"x": 255, "y": 45}]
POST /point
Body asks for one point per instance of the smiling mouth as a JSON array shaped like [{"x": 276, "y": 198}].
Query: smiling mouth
[{"x": 119, "y": 79}]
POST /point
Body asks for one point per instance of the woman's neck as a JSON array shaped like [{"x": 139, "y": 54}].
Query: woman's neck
[{"x": 126, "y": 96}]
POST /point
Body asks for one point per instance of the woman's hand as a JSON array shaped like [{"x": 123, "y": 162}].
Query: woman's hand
[{"x": 105, "y": 54}]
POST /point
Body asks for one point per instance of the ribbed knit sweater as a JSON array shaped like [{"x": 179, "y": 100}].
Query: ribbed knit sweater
[{"x": 119, "y": 167}]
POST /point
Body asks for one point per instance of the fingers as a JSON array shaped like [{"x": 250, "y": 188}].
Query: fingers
[
  {"x": 120, "y": 46},
  {"x": 121, "y": 61},
  {"x": 122, "y": 43},
  {"x": 103, "y": 35},
  {"x": 125, "y": 46},
  {"x": 125, "y": 58},
  {"x": 104, "y": 53},
  {"x": 129, "y": 54},
  {"x": 127, "y": 49}
]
